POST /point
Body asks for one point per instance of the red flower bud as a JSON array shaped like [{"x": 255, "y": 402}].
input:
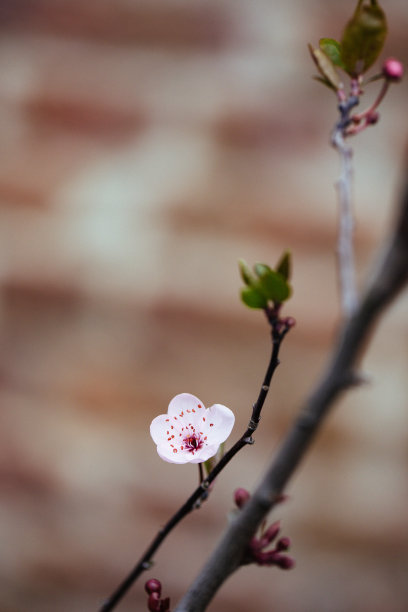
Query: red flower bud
[
  {"x": 154, "y": 603},
  {"x": 153, "y": 586},
  {"x": 372, "y": 118},
  {"x": 271, "y": 533},
  {"x": 283, "y": 544},
  {"x": 393, "y": 69},
  {"x": 284, "y": 562},
  {"x": 241, "y": 497}
]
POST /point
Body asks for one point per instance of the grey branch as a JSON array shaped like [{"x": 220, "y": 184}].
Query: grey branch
[
  {"x": 389, "y": 277},
  {"x": 345, "y": 250}
]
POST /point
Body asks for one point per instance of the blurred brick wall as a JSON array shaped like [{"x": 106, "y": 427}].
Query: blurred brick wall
[{"x": 145, "y": 147}]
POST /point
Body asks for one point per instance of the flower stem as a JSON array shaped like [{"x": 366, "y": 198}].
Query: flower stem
[
  {"x": 360, "y": 116},
  {"x": 279, "y": 330}
]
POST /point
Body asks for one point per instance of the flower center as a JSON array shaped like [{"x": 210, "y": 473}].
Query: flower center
[{"x": 193, "y": 442}]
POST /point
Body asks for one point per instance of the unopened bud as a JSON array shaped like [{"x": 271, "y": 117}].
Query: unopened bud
[
  {"x": 153, "y": 586},
  {"x": 393, "y": 69},
  {"x": 372, "y": 118},
  {"x": 283, "y": 544},
  {"x": 271, "y": 533},
  {"x": 165, "y": 605},
  {"x": 241, "y": 497},
  {"x": 153, "y": 603}
]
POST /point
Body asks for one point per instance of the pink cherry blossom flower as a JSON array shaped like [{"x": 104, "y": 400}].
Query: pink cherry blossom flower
[{"x": 189, "y": 432}]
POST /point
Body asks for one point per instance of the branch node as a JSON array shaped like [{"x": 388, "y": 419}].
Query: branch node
[
  {"x": 265, "y": 387},
  {"x": 352, "y": 379},
  {"x": 252, "y": 425},
  {"x": 205, "y": 484},
  {"x": 147, "y": 565},
  {"x": 249, "y": 440},
  {"x": 357, "y": 378}
]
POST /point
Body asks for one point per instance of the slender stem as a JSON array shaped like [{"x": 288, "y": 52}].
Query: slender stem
[
  {"x": 279, "y": 330},
  {"x": 390, "y": 277},
  {"x": 200, "y": 473},
  {"x": 360, "y": 116},
  {"x": 345, "y": 251}
]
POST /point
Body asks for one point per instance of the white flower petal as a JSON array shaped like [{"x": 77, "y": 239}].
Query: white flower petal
[
  {"x": 186, "y": 405},
  {"x": 204, "y": 453},
  {"x": 158, "y": 428},
  {"x": 167, "y": 454},
  {"x": 220, "y": 421}
]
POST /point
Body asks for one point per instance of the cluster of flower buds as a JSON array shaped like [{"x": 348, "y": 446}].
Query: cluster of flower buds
[
  {"x": 283, "y": 324},
  {"x": 153, "y": 588},
  {"x": 256, "y": 552},
  {"x": 392, "y": 72},
  {"x": 275, "y": 556}
]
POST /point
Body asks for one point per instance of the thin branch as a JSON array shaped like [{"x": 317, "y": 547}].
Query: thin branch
[
  {"x": 279, "y": 329},
  {"x": 345, "y": 251},
  {"x": 390, "y": 277}
]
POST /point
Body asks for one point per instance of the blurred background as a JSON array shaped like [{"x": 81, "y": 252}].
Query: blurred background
[{"x": 145, "y": 146}]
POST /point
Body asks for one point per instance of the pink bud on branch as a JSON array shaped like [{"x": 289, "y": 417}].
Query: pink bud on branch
[
  {"x": 393, "y": 70},
  {"x": 257, "y": 548},
  {"x": 153, "y": 588},
  {"x": 241, "y": 497}
]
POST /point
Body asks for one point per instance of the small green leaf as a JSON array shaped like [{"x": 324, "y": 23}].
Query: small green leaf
[
  {"x": 363, "y": 38},
  {"x": 246, "y": 273},
  {"x": 261, "y": 269},
  {"x": 326, "y": 67},
  {"x": 274, "y": 287},
  {"x": 332, "y": 49},
  {"x": 272, "y": 283},
  {"x": 253, "y": 298},
  {"x": 284, "y": 265}
]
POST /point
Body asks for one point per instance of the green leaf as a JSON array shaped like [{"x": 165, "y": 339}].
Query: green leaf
[
  {"x": 363, "y": 38},
  {"x": 253, "y": 298},
  {"x": 274, "y": 287},
  {"x": 332, "y": 49},
  {"x": 261, "y": 269},
  {"x": 326, "y": 67},
  {"x": 246, "y": 273},
  {"x": 270, "y": 286},
  {"x": 284, "y": 265},
  {"x": 272, "y": 283}
]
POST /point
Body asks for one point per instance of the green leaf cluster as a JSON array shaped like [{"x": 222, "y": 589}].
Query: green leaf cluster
[
  {"x": 361, "y": 43},
  {"x": 264, "y": 284}
]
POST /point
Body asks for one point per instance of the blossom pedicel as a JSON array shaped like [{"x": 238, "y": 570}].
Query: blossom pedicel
[{"x": 189, "y": 432}]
